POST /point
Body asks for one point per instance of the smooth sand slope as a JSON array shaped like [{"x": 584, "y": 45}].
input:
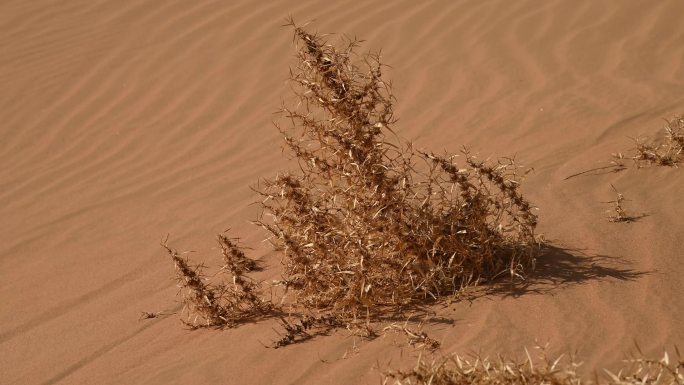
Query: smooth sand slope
[{"x": 122, "y": 121}]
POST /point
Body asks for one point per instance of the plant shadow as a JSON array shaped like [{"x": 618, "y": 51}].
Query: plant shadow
[{"x": 558, "y": 267}]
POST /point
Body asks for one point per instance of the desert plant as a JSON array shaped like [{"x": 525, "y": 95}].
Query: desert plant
[
  {"x": 245, "y": 294},
  {"x": 415, "y": 337},
  {"x": 304, "y": 327},
  {"x": 477, "y": 370},
  {"x": 668, "y": 153},
  {"x": 369, "y": 221},
  {"x": 675, "y": 131},
  {"x": 619, "y": 213},
  {"x": 223, "y": 304},
  {"x": 646, "y": 151}
]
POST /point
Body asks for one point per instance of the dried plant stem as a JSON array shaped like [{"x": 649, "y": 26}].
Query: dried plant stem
[
  {"x": 220, "y": 305},
  {"x": 668, "y": 153},
  {"x": 201, "y": 299},
  {"x": 619, "y": 214},
  {"x": 477, "y": 370}
]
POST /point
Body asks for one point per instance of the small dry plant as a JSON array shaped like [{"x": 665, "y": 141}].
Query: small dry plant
[
  {"x": 150, "y": 315},
  {"x": 305, "y": 327},
  {"x": 618, "y": 213},
  {"x": 646, "y": 152},
  {"x": 368, "y": 224},
  {"x": 234, "y": 300},
  {"x": 477, "y": 370},
  {"x": 668, "y": 153},
  {"x": 415, "y": 337}
]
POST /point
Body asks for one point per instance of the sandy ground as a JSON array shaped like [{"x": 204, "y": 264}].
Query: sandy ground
[{"x": 122, "y": 121}]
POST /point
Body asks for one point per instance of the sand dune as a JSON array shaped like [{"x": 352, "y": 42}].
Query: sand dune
[{"x": 124, "y": 121}]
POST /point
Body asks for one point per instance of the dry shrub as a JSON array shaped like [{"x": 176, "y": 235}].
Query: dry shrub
[
  {"x": 367, "y": 223},
  {"x": 476, "y": 370},
  {"x": 668, "y": 153}
]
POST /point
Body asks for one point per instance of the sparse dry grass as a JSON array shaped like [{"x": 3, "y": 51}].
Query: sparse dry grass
[
  {"x": 668, "y": 153},
  {"x": 646, "y": 152},
  {"x": 476, "y": 370}
]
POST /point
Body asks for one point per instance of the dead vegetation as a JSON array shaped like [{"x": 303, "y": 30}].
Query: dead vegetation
[
  {"x": 666, "y": 153},
  {"x": 224, "y": 304},
  {"x": 305, "y": 327},
  {"x": 669, "y": 151},
  {"x": 618, "y": 213},
  {"x": 368, "y": 225},
  {"x": 150, "y": 315},
  {"x": 368, "y": 222},
  {"x": 477, "y": 370},
  {"x": 415, "y": 337}
]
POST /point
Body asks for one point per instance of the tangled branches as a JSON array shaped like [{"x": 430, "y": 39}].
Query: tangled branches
[
  {"x": 370, "y": 222},
  {"x": 222, "y": 304},
  {"x": 367, "y": 224}
]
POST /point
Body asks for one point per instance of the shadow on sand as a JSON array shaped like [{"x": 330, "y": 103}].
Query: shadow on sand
[{"x": 558, "y": 268}]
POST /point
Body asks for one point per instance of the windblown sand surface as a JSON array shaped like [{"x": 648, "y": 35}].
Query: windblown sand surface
[{"x": 123, "y": 121}]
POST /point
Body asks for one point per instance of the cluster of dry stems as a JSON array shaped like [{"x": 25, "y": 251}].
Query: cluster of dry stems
[
  {"x": 367, "y": 223},
  {"x": 668, "y": 153},
  {"x": 476, "y": 370}
]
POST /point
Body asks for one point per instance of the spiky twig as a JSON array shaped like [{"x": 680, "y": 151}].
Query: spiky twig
[{"x": 619, "y": 214}]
